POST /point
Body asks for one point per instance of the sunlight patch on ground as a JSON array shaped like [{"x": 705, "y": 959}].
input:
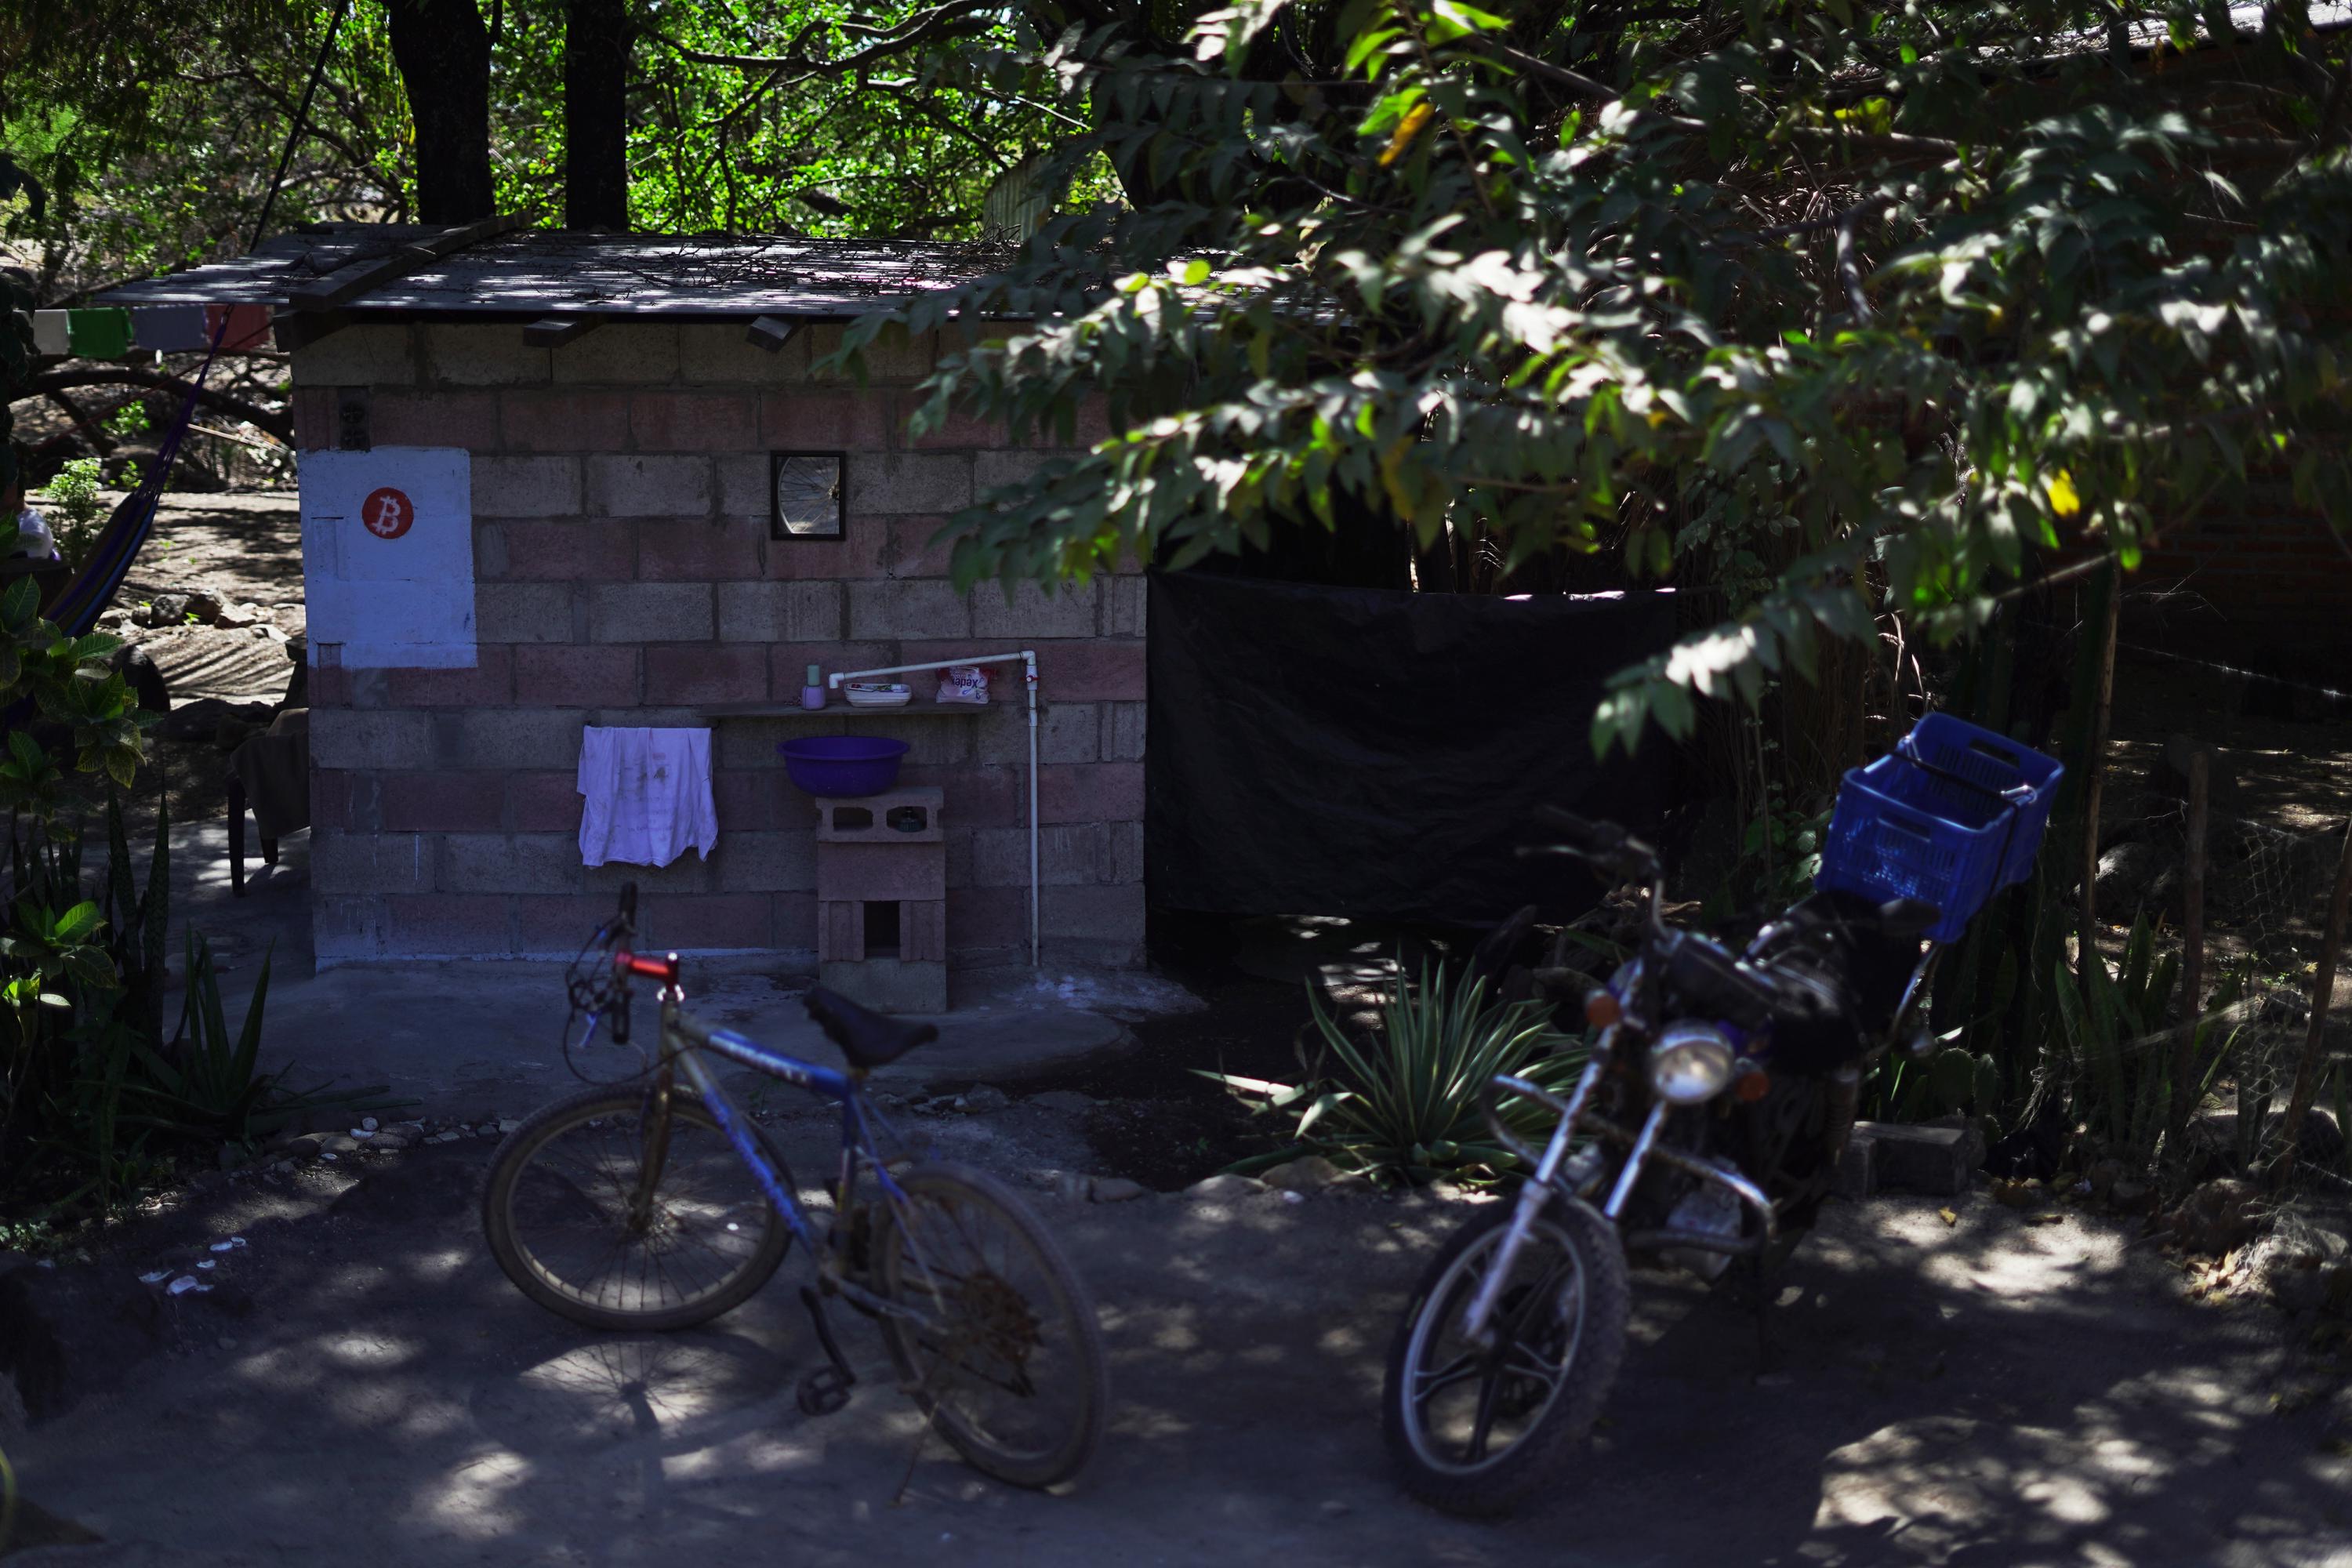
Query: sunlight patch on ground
[
  {"x": 471, "y": 1503},
  {"x": 364, "y": 1352},
  {"x": 1341, "y": 1341},
  {"x": 444, "y": 1264}
]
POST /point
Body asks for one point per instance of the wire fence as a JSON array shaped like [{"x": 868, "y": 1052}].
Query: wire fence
[{"x": 2266, "y": 892}]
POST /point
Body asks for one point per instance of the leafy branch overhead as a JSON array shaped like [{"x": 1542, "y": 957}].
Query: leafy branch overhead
[{"x": 1864, "y": 312}]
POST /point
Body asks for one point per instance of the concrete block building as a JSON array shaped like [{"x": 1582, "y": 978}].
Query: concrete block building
[{"x": 581, "y": 439}]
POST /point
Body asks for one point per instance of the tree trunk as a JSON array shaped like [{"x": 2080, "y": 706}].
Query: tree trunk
[
  {"x": 442, "y": 51},
  {"x": 595, "y": 115}
]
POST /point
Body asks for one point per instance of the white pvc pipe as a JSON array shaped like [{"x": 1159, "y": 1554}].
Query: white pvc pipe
[{"x": 1028, "y": 659}]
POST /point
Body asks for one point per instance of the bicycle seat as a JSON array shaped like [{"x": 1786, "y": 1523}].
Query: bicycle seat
[{"x": 867, "y": 1038}]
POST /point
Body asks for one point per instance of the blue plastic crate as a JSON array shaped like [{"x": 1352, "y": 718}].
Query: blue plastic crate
[{"x": 1955, "y": 815}]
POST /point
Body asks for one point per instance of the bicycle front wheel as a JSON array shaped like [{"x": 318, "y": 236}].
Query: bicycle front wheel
[
  {"x": 563, "y": 1215},
  {"x": 1003, "y": 1352}
]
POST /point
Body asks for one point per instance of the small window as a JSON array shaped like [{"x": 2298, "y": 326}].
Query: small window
[{"x": 808, "y": 495}]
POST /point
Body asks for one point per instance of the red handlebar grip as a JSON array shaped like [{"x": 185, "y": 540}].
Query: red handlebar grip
[{"x": 662, "y": 969}]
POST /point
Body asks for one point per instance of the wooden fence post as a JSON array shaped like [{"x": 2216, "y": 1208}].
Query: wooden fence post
[
  {"x": 2192, "y": 959},
  {"x": 2323, "y": 991}
]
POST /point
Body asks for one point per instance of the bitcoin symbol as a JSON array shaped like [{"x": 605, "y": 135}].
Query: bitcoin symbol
[{"x": 388, "y": 513}]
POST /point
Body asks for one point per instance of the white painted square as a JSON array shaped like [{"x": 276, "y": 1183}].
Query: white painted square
[{"x": 388, "y": 557}]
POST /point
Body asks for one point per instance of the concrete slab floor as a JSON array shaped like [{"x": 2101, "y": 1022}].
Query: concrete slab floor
[{"x": 466, "y": 1036}]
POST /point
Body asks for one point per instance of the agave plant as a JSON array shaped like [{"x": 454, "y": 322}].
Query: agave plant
[
  {"x": 210, "y": 1085},
  {"x": 2118, "y": 1050},
  {"x": 1404, "y": 1103}
]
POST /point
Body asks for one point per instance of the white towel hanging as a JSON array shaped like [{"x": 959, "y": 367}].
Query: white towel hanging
[{"x": 646, "y": 795}]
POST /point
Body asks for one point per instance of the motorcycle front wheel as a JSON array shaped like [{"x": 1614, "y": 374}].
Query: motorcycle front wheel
[{"x": 1475, "y": 1428}]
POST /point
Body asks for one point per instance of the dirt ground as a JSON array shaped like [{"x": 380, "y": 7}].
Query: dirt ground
[
  {"x": 361, "y": 1384},
  {"x": 243, "y": 547}
]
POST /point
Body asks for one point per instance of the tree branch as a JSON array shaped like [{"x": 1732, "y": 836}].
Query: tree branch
[
  {"x": 92, "y": 430},
  {"x": 1577, "y": 81},
  {"x": 280, "y": 425},
  {"x": 914, "y": 30}
]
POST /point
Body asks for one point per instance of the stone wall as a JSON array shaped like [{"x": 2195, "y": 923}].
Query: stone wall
[{"x": 625, "y": 575}]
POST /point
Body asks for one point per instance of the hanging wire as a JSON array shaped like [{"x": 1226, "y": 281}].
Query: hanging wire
[{"x": 294, "y": 131}]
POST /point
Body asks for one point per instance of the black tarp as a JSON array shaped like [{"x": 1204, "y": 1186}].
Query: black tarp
[{"x": 1365, "y": 753}]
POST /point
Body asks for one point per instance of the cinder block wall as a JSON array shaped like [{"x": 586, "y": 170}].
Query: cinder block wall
[{"x": 623, "y": 574}]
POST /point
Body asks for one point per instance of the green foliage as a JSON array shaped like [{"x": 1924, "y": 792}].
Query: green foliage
[
  {"x": 49, "y": 957},
  {"x": 91, "y": 1098},
  {"x": 2116, "y": 1054},
  {"x": 1404, "y": 1105},
  {"x": 1952, "y": 1079},
  {"x": 69, "y": 682},
  {"x": 836, "y": 119},
  {"x": 1781, "y": 849},
  {"x": 77, "y": 507},
  {"x": 209, "y": 1084},
  {"x": 156, "y": 129},
  {"x": 1867, "y": 308}
]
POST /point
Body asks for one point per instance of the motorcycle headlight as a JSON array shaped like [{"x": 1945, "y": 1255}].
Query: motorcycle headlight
[{"x": 1691, "y": 1063}]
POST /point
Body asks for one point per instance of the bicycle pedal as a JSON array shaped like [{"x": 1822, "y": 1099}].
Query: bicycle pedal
[{"x": 824, "y": 1391}]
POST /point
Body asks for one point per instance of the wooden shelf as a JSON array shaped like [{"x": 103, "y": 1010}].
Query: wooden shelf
[{"x": 840, "y": 710}]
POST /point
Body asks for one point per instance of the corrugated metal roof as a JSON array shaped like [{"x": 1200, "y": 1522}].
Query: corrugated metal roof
[{"x": 551, "y": 271}]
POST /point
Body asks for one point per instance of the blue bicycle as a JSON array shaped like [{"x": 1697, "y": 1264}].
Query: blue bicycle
[{"x": 653, "y": 1202}]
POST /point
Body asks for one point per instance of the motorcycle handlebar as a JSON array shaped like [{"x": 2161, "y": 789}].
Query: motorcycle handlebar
[{"x": 1490, "y": 1106}]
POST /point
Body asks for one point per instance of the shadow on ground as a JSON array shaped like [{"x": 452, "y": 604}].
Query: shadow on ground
[{"x": 363, "y": 1382}]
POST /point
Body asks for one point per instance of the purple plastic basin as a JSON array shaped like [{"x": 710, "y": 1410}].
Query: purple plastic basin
[{"x": 842, "y": 765}]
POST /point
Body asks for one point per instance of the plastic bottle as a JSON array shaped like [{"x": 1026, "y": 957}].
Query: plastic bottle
[{"x": 813, "y": 690}]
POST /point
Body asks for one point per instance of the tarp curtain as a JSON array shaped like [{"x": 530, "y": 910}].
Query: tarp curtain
[{"x": 1373, "y": 754}]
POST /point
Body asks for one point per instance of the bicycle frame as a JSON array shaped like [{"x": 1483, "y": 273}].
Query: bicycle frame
[{"x": 683, "y": 1038}]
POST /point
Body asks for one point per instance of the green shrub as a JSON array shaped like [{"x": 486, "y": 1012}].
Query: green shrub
[
  {"x": 1403, "y": 1104},
  {"x": 76, "y": 508}
]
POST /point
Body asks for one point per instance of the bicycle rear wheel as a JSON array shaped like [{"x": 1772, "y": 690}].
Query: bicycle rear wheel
[
  {"x": 560, "y": 1214},
  {"x": 1006, "y": 1358}
]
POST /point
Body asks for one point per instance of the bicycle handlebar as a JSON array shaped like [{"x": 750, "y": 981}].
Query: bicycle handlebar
[{"x": 664, "y": 969}]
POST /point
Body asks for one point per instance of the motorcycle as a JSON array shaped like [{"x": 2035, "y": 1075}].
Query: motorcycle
[{"x": 1705, "y": 1132}]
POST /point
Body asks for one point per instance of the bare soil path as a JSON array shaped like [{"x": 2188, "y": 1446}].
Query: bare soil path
[{"x": 362, "y": 1385}]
